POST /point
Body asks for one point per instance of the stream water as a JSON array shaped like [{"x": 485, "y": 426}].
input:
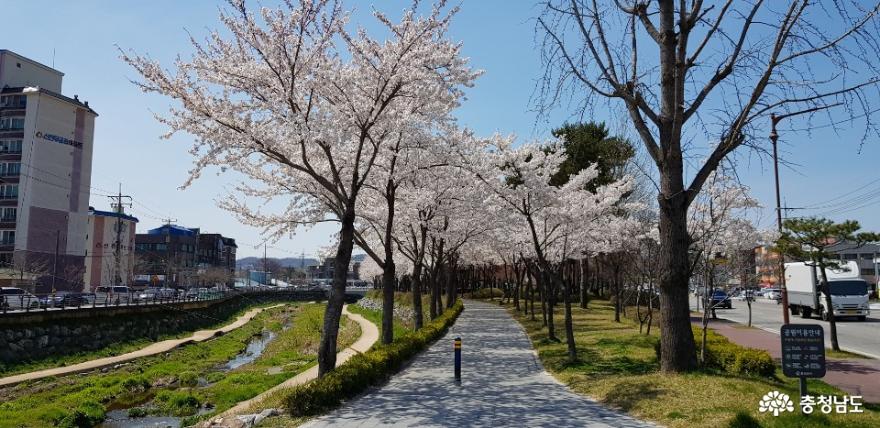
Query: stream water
[
  {"x": 118, "y": 417},
  {"x": 254, "y": 349}
]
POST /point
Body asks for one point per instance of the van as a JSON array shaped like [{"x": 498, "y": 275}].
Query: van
[
  {"x": 12, "y": 298},
  {"x": 112, "y": 294}
]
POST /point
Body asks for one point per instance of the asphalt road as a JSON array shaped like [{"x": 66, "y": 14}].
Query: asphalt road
[{"x": 858, "y": 336}]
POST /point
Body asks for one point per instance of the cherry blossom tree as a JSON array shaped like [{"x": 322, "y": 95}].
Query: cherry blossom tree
[
  {"x": 302, "y": 108},
  {"x": 561, "y": 221}
]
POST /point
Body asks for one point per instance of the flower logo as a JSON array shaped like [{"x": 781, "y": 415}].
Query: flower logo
[{"x": 776, "y": 402}]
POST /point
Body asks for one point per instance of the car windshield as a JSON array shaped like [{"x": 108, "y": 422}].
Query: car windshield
[{"x": 849, "y": 288}]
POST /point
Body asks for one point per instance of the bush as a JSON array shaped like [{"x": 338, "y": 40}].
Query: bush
[
  {"x": 367, "y": 369},
  {"x": 722, "y": 354},
  {"x": 486, "y": 293},
  {"x": 725, "y": 355}
]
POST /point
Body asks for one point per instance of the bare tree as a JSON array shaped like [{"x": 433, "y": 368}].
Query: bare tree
[{"x": 720, "y": 71}]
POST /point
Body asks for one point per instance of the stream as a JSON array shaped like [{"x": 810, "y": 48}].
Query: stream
[{"x": 119, "y": 417}]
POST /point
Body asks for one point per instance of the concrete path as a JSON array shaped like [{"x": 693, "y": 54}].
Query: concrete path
[
  {"x": 369, "y": 336},
  {"x": 855, "y": 376},
  {"x": 153, "y": 349},
  {"x": 503, "y": 384}
]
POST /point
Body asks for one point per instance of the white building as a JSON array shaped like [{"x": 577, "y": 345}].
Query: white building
[
  {"x": 45, "y": 173},
  {"x": 103, "y": 265}
]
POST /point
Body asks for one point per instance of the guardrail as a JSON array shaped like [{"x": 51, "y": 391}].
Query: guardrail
[{"x": 22, "y": 303}]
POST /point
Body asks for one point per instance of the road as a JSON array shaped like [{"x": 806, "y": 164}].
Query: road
[
  {"x": 857, "y": 336},
  {"x": 502, "y": 385}
]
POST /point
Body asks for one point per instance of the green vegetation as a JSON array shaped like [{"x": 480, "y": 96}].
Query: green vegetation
[
  {"x": 110, "y": 350},
  {"x": 722, "y": 354},
  {"x": 843, "y": 355},
  {"x": 364, "y": 370},
  {"x": 487, "y": 293},
  {"x": 167, "y": 384},
  {"x": 620, "y": 367},
  {"x": 401, "y": 300}
]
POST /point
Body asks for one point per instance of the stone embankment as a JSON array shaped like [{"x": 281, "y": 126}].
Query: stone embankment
[{"x": 39, "y": 334}]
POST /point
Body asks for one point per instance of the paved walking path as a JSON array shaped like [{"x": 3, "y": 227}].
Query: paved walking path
[
  {"x": 152, "y": 349},
  {"x": 369, "y": 336},
  {"x": 855, "y": 376},
  {"x": 503, "y": 384}
]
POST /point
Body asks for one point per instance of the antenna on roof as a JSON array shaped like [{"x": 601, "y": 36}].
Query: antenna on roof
[{"x": 53, "y": 57}]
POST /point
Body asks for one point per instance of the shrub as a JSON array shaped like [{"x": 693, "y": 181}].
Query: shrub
[
  {"x": 367, "y": 369},
  {"x": 486, "y": 293},
  {"x": 722, "y": 354},
  {"x": 725, "y": 355}
]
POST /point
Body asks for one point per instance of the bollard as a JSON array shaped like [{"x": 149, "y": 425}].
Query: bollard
[{"x": 457, "y": 347}]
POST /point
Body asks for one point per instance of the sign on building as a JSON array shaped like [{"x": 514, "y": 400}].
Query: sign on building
[{"x": 803, "y": 350}]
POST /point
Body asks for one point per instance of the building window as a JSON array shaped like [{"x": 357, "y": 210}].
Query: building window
[
  {"x": 867, "y": 271},
  {"x": 867, "y": 256},
  {"x": 7, "y": 237},
  {"x": 6, "y": 259},
  {"x": 11, "y": 123},
  {"x": 8, "y": 169},
  {"x": 851, "y": 256},
  {"x": 10, "y": 146},
  {"x": 8, "y": 191},
  {"x": 8, "y": 214},
  {"x": 19, "y": 101}
]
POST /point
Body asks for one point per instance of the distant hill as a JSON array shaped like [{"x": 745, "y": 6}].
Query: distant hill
[{"x": 257, "y": 262}]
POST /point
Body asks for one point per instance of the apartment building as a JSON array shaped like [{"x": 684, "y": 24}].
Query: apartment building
[{"x": 46, "y": 142}]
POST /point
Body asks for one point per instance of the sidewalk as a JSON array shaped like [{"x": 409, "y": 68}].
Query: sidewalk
[
  {"x": 503, "y": 384},
  {"x": 153, "y": 349},
  {"x": 855, "y": 376}
]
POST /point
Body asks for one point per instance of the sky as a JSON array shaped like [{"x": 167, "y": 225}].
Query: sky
[{"x": 82, "y": 40}]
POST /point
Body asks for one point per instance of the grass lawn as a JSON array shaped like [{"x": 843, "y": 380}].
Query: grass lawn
[
  {"x": 168, "y": 384},
  {"x": 110, "y": 350},
  {"x": 618, "y": 366}
]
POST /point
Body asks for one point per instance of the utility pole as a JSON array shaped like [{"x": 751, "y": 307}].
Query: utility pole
[
  {"x": 117, "y": 249},
  {"x": 168, "y": 255},
  {"x": 265, "y": 265},
  {"x": 55, "y": 259},
  {"x": 780, "y": 278}
]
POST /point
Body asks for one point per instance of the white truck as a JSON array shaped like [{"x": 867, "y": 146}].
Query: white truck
[{"x": 849, "y": 293}]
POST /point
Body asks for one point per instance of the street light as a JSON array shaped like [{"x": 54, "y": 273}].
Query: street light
[{"x": 781, "y": 277}]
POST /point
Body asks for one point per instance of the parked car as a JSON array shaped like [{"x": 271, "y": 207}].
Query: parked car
[
  {"x": 720, "y": 299},
  {"x": 66, "y": 299},
  {"x": 12, "y": 298},
  {"x": 773, "y": 294},
  {"x": 111, "y": 295}
]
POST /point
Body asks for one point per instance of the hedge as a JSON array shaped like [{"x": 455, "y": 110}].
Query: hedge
[
  {"x": 486, "y": 293},
  {"x": 722, "y": 354},
  {"x": 364, "y": 370}
]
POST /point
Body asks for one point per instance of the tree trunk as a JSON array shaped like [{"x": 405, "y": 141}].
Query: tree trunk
[
  {"x": 569, "y": 326},
  {"x": 676, "y": 336},
  {"x": 830, "y": 309},
  {"x": 417, "y": 295},
  {"x": 585, "y": 275},
  {"x": 333, "y": 312},
  {"x": 388, "y": 282}
]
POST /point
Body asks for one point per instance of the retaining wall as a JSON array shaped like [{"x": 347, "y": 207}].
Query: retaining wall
[{"x": 39, "y": 334}]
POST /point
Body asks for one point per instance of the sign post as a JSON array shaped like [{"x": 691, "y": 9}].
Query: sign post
[
  {"x": 803, "y": 352},
  {"x": 456, "y": 344}
]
